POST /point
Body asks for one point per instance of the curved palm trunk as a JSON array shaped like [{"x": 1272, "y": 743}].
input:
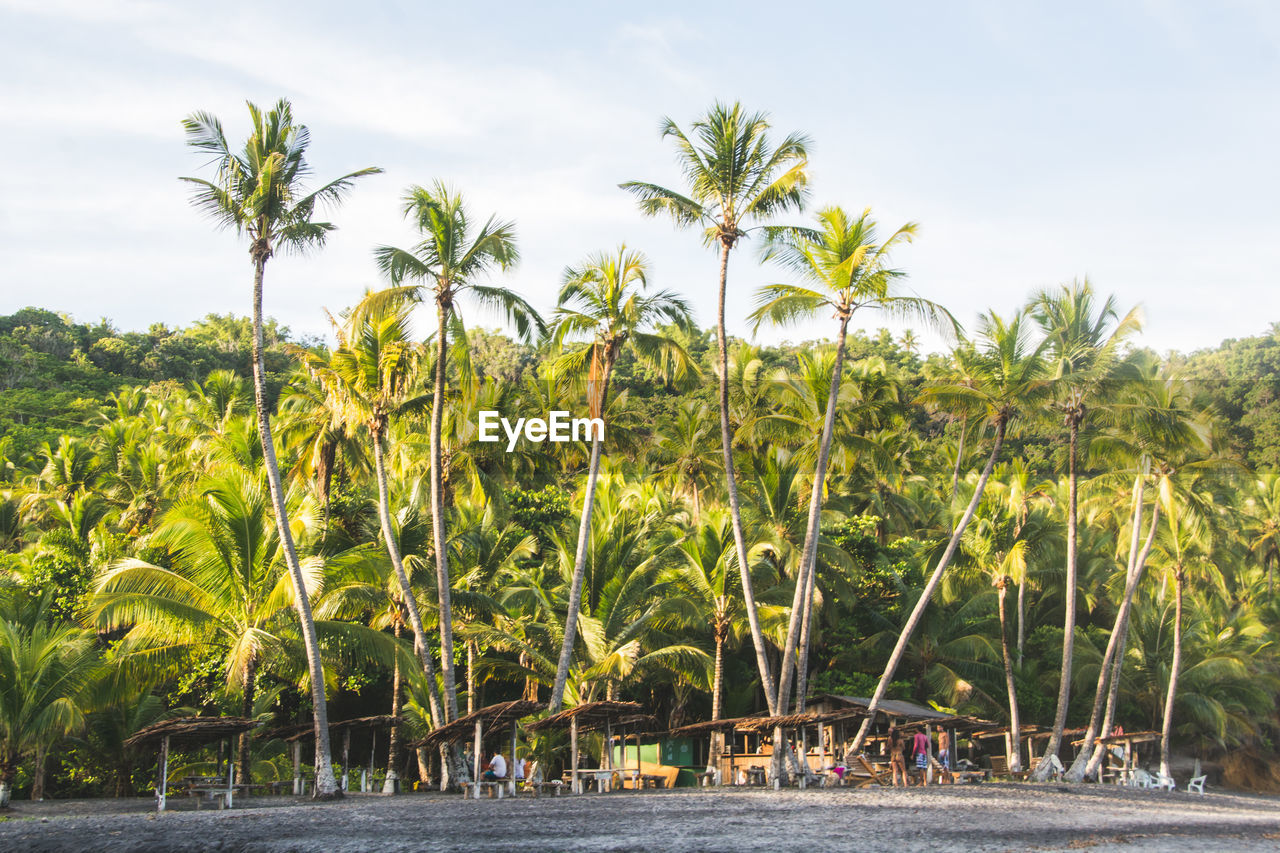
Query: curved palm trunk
[
  {"x": 392, "y": 783},
  {"x": 326, "y": 786},
  {"x": 246, "y": 710},
  {"x": 802, "y": 602},
  {"x": 437, "y": 520},
  {"x": 1015, "y": 722},
  {"x": 1079, "y": 767},
  {"x": 955, "y": 470},
  {"x": 1166, "y": 729},
  {"x": 731, "y": 485},
  {"x": 1119, "y": 636},
  {"x": 580, "y": 555},
  {"x": 1044, "y": 768},
  {"x": 410, "y": 602},
  {"x": 917, "y": 613}
]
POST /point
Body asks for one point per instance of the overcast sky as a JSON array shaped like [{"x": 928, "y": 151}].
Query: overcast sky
[{"x": 1132, "y": 142}]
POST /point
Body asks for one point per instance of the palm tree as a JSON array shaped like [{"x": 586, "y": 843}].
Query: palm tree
[
  {"x": 372, "y": 380},
  {"x": 844, "y": 268},
  {"x": 1008, "y": 380},
  {"x": 1263, "y": 509},
  {"x": 1083, "y": 348},
  {"x": 260, "y": 192},
  {"x": 45, "y": 668},
  {"x": 446, "y": 264},
  {"x": 737, "y": 178},
  {"x": 225, "y": 591},
  {"x": 604, "y": 299}
]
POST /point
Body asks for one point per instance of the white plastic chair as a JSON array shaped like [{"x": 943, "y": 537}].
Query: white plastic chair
[
  {"x": 1164, "y": 782},
  {"x": 1140, "y": 779},
  {"x": 1196, "y": 784}
]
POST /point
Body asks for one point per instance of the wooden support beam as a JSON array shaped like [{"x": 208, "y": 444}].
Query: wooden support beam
[
  {"x": 231, "y": 776},
  {"x": 511, "y": 765},
  {"x": 575, "y": 785},
  {"x": 346, "y": 755}
]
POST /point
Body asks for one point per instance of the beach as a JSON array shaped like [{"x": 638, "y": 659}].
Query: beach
[{"x": 992, "y": 817}]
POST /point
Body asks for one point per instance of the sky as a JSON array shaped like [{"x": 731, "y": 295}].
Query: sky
[{"x": 1034, "y": 143}]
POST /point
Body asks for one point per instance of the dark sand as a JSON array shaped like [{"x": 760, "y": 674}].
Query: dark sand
[{"x": 969, "y": 817}]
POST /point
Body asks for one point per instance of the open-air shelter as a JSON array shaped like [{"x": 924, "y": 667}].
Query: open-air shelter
[
  {"x": 491, "y": 717},
  {"x": 191, "y": 732},
  {"x": 629, "y": 717},
  {"x": 372, "y": 724},
  {"x": 1026, "y": 731},
  {"x": 1122, "y": 754}
]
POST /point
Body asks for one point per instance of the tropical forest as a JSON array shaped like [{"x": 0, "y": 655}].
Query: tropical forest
[{"x": 1037, "y": 520}]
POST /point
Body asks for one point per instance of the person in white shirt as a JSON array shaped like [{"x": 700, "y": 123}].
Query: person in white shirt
[
  {"x": 517, "y": 769},
  {"x": 497, "y": 768}
]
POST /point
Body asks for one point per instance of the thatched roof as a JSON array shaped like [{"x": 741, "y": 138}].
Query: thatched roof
[
  {"x": 594, "y": 715},
  {"x": 1025, "y": 730},
  {"x": 1132, "y": 737},
  {"x": 308, "y": 730},
  {"x": 192, "y": 731},
  {"x": 490, "y": 716},
  {"x": 759, "y": 723}
]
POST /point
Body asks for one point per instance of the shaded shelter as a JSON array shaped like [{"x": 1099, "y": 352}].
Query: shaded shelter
[
  {"x": 492, "y": 717},
  {"x": 597, "y": 716},
  {"x": 1122, "y": 754},
  {"x": 373, "y": 724},
  {"x": 190, "y": 732}
]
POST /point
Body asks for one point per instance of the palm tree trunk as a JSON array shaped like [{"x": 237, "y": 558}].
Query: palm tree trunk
[
  {"x": 717, "y": 683},
  {"x": 438, "y": 717},
  {"x": 392, "y": 782},
  {"x": 246, "y": 710},
  {"x": 326, "y": 786},
  {"x": 802, "y": 601},
  {"x": 955, "y": 470},
  {"x": 1079, "y": 767},
  {"x": 1015, "y": 723},
  {"x": 580, "y": 558},
  {"x": 731, "y": 485},
  {"x": 1123, "y": 628},
  {"x": 917, "y": 613},
  {"x": 38, "y": 773},
  {"x": 1044, "y": 768},
  {"x": 437, "y": 518},
  {"x": 471, "y": 677},
  {"x": 1022, "y": 614},
  {"x": 1166, "y": 729}
]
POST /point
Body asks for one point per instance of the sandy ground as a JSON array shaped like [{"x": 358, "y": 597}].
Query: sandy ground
[{"x": 970, "y": 817}]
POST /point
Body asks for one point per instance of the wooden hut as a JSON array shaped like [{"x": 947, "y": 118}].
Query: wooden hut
[
  {"x": 598, "y": 716},
  {"x": 192, "y": 732},
  {"x": 473, "y": 725}
]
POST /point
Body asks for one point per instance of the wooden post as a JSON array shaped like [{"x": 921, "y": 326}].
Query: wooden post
[
  {"x": 297, "y": 768},
  {"x": 606, "y": 762},
  {"x": 822, "y": 746},
  {"x": 574, "y": 785},
  {"x": 164, "y": 773},
  {"x": 477, "y": 757},
  {"x": 230, "y": 784},
  {"x": 373, "y": 748},
  {"x": 511, "y": 766},
  {"x": 733, "y": 767},
  {"x": 346, "y": 755},
  {"x": 928, "y": 765}
]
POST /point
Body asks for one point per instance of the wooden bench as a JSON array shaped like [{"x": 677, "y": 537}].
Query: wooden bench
[{"x": 471, "y": 790}]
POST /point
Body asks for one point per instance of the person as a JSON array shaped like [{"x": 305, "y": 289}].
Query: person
[
  {"x": 517, "y": 770},
  {"x": 944, "y": 757},
  {"x": 920, "y": 749},
  {"x": 497, "y": 768},
  {"x": 897, "y": 762}
]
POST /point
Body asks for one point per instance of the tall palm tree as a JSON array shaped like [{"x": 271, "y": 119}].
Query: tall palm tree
[
  {"x": 604, "y": 300},
  {"x": 844, "y": 267},
  {"x": 1083, "y": 347},
  {"x": 372, "y": 380},
  {"x": 260, "y": 192},
  {"x": 445, "y": 265},
  {"x": 737, "y": 179},
  {"x": 1008, "y": 379}
]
